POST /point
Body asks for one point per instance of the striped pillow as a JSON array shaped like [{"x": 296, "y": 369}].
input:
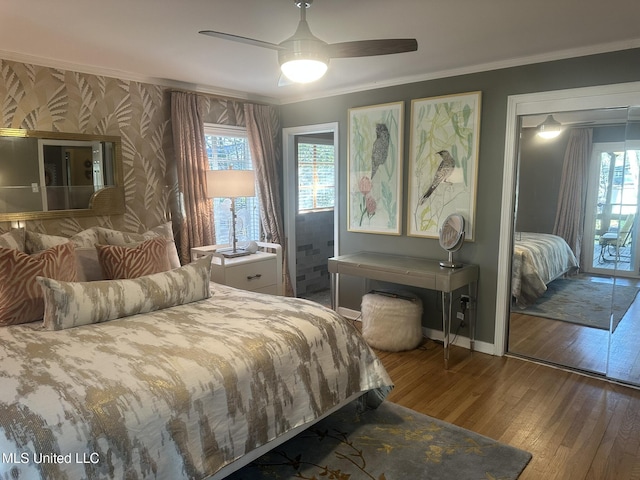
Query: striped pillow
[
  {"x": 117, "y": 237},
  {"x": 21, "y": 299},
  {"x": 133, "y": 261}
]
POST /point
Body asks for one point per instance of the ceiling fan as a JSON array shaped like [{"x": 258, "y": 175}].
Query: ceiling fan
[{"x": 304, "y": 58}]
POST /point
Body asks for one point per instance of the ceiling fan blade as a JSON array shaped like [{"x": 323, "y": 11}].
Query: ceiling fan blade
[
  {"x": 367, "y": 48},
  {"x": 239, "y": 39}
]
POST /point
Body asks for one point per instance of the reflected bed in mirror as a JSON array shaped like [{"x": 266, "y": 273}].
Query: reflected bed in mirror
[{"x": 52, "y": 174}]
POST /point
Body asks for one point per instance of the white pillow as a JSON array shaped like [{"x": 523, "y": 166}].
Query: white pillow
[{"x": 36, "y": 242}]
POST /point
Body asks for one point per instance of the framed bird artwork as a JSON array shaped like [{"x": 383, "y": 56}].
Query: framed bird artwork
[
  {"x": 443, "y": 162},
  {"x": 375, "y": 169}
]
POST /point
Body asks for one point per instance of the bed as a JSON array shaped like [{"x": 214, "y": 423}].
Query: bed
[
  {"x": 538, "y": 259},
  {"x": 192, "y": 389}
]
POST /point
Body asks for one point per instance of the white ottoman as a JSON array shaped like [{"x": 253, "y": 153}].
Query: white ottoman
[{"x": 392, "y": 323}]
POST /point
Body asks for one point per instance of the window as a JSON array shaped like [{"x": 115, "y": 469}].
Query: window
[
  {"x": 612, "y": 206},
  {"x": 618, "y": 185},
  {"x": 229, "y": 147},
  {"x": 316, "y": 174}
]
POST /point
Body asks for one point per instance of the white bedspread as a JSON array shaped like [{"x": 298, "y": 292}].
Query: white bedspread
[
  {"x": 538, "y": 258},
  {"x": 174, "y": 394}
]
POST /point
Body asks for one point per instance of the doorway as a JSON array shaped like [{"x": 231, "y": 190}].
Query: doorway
[
  {"x": 613, "y": 198},
  {"x": 311, "y": 233}
]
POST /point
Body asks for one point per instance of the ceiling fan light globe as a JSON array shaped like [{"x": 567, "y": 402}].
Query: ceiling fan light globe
[
  {"x": 304, "y": 70},
  {"x": 548, "y": 135},
  {"x": 550, "y": 128}
]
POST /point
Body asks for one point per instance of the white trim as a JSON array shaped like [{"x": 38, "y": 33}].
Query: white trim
[
  {"x": 606, "y": 96},
  {"x": 212, "y": 90},
  {"x": 289, "y": 179},
  {"x": 133, "y": 77},
  {"x": 460, "y": 341},
  {"x": 471, "y": 69},
  {"x": 221, "y": 130},
  {"x": 349, "y": 313}
]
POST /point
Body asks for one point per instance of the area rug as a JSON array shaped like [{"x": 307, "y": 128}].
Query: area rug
[
  {"x": 388, "y": 443},
  {"x": 584, "y": 302}
]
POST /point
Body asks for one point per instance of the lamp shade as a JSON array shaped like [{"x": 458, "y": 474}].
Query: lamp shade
[{"x": 231, "y": 183}]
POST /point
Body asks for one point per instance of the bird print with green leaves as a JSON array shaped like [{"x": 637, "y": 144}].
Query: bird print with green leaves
[
  {"x": 443, "y": 161},
  {"x": 375, "y": 168}
]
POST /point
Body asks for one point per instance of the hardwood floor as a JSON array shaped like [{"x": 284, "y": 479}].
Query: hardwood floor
[
  {"x": 576, "y": 427},
  {"x": 581, "y": 347}
]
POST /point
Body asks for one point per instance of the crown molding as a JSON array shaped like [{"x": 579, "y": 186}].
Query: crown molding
[
  {"x": 213, "y": 90},
  {"x": 484, "y": 67},
  {"x": 134, "y": 77}
]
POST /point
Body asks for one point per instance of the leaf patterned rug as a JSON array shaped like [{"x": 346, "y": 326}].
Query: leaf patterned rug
[
  {"x": 388, "y": 443},
  {"x": 582, "y": 301}
]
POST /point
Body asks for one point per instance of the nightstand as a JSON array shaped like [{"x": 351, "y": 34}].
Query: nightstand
[{"x": 258, "y": 272}]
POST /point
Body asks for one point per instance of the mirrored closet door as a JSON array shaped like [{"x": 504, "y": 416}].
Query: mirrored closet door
[
  {"x": 575, "y": 265},
  {"x": 624, "y": 351}
]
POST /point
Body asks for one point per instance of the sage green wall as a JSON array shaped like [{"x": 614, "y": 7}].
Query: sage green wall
[
  {"x": 496, "y": 86},
  {"x": 541, "y": 170}
]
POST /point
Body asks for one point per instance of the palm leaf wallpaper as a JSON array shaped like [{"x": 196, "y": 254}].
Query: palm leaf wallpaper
[{"x": 42, "y": 98}]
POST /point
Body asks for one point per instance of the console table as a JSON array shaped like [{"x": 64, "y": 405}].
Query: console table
[{"x": 416, "y": 272}]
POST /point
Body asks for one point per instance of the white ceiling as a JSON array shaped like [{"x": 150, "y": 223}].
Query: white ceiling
[{"x": 157, "y": 41}]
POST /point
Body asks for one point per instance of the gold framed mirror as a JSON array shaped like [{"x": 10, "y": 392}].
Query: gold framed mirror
[{"x": 47, "y": 175}]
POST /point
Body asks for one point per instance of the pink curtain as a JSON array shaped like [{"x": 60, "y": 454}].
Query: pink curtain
[
  {"x": 570, "y": 213},
  {"x": 196, "y": 226},
  {"x": 263, "y": 131}
]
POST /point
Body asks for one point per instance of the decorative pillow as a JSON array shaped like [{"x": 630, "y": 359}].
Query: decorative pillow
[
  {"x": 21, "y": 298},
  {"x": 36, "y": 242},
  {"x": 116, "y": 237},
  {"x": 88, "y": 265},
  {"x": 72, "y": 304},
  {"x": 133, "y": 261},
  {"x": 13, "y": 239}
]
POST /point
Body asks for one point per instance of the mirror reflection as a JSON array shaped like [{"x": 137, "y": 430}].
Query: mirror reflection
[
  {"x": 45, "y": 172},
  {"x": 575, "y": 269}
]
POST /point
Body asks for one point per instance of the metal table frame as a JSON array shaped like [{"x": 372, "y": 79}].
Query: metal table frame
[{"x": 416, "y": 272}]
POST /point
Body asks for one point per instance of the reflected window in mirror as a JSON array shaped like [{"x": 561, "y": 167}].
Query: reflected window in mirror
[{"x": 51, "y": 174}]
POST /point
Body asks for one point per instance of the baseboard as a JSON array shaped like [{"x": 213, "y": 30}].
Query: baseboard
[
  {"x": 482, "y": 347},
  {"x": 348, "y": 313},
  {"x": 478, "y": 346}
]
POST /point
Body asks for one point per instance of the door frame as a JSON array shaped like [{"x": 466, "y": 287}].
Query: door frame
[
  {"x": 289, "y": 135},
  {"x": 585, "y": 98}
]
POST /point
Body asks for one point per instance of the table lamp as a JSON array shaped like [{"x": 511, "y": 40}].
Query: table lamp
[{"x": 232, "y": 184}]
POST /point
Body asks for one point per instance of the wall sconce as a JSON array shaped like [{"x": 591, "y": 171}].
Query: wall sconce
[
  {"x": 231, "y": 184},
  {"x": 550, "y": 128}
]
